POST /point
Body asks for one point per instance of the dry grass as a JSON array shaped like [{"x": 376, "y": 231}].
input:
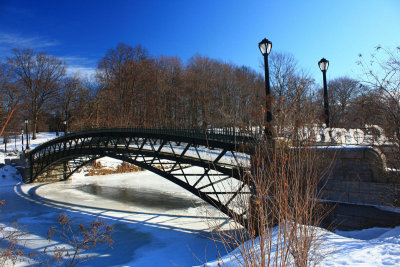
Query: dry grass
[{"x": 98, "y": 169}]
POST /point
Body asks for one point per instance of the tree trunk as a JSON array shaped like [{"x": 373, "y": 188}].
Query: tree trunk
[
  {"x": 34, "y": 126},
  {"x": 5, "y": 141}
]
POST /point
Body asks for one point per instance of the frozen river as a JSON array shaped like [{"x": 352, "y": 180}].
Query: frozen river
[
  {"x": 146, "y": 199},
  {"x": 156, "y": 222}
]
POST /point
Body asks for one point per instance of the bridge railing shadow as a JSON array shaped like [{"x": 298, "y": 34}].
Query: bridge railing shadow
[
  {"x": 34, "y": 239},
  {"x": 117, "y": 215}
]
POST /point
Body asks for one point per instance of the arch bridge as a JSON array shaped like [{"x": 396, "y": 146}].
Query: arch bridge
[{"x": 211, "y": 164}]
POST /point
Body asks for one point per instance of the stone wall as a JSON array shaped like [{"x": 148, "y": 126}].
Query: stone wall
[
  {"x": 347, "y": 216},
  {"x": 359, "y": 184},
  {"x": 359, "y": 175}
]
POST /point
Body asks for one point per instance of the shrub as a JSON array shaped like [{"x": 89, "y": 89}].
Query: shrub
[{"x": 282, "y": 208}]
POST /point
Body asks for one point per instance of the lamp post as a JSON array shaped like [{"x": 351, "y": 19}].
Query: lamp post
[
  {"x": 265, "y": 47},
  {"x": 65, "y": 127},
  {"x": 27, "y": 134},
  {"x": 323, "y": 66},
  {"x": 22, "y": 139}
]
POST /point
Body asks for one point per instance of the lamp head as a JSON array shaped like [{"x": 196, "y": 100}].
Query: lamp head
[
  {"x": 265, "y": 47},
  {"x": 323, "y": 64}
]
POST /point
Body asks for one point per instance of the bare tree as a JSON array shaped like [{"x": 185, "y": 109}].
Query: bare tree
[
  {"x": 360, "y": 111},
  {"x": 10, "y": 98},
  {"x": 127, "y": 77},
  {"x": 342, "y": 91},
  {"x": 204, "y": 93},
  {"x": 169, "y": 87},
  {"x": 38, "y": 75},
  {"x": 292, "y": 89},
  {"x": 10, "y": 95},
  {"x": 382, "y": 74},
  {"x": 68, "y": 96}
]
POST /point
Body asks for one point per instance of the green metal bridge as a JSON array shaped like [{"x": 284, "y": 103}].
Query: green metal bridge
[{"x": 212, "y": 164}]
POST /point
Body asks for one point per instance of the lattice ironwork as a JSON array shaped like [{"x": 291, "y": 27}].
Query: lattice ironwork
[{"x": 210, "y": 164}]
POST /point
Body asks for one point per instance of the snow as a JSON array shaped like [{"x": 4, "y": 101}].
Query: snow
[
  {"x": 370, "y": 134},
  {"x": 368, "y": 247},
  {"x": 9, "y": 176},
  {"x": 14, "y": 145},
  {"x": 144, "y": 236},
  {"x": 152, "y": 235}
]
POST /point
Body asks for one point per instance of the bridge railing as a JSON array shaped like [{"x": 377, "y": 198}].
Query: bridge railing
[
  {"x": 219, "y": 134},
  {"x": 226, "y": 137}
]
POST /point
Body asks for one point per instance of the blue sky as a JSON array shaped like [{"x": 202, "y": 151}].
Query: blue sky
[{"x": 81, "y": 32}]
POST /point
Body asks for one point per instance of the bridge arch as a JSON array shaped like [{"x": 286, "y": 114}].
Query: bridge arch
[{"x": 221, "y": 160}]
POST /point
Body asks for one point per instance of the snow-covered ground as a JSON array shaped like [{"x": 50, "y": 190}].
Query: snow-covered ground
[
  {"x": 14, "y": 145},
  {"x": 368, "y": 247},
  {"x": 146, "y": 234},
  {"x": 163, "y": 226}
]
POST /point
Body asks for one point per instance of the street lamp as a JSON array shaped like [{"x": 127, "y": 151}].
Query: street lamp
[
  {"x": 265, "y": 47},
  {"x": 65, "y": 127},
  {"x": 323, "y": 66},
  {"x": 22, "y": 139},
  {"x": 27, "y": 134}
]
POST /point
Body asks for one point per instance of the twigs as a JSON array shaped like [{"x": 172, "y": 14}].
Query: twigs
[
  {"x": 282, "y": 209},
  {"x": 77, "y": 241},
  {"x": 80, "y": 241}
]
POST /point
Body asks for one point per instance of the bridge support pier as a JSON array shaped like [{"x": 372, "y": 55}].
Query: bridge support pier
[
  {"x": 57, "y": 172},
  {"x": 64, "y": 174}
]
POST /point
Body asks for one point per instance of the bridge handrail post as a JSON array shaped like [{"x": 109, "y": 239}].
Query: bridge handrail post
[{"x": 30, "y": 167}]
